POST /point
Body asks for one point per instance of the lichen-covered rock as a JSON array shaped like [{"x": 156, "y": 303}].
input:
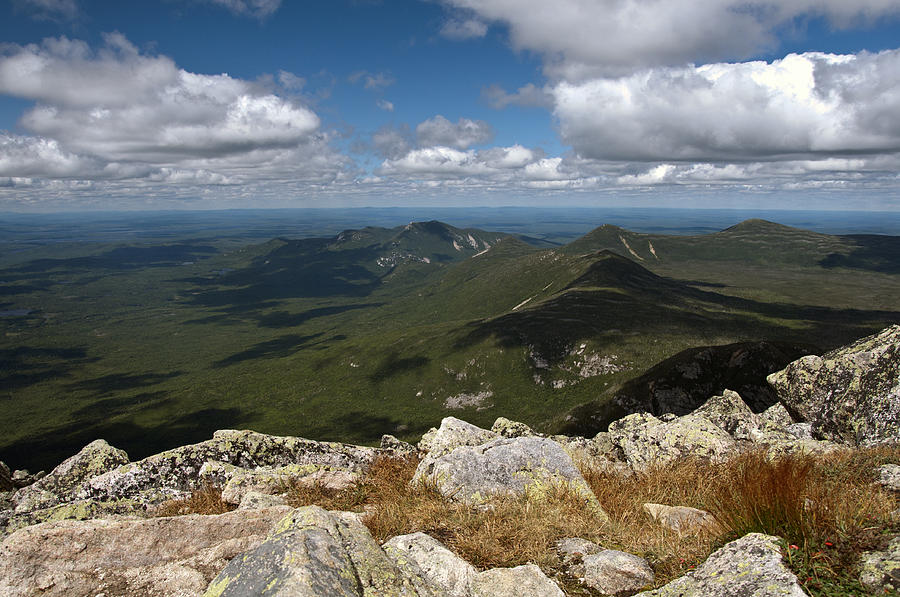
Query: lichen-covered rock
[
  {"x": 776, "y": 415},
  {"x": 573, "y": 550},
  {"x": 507, "y": 428},
  {"x": 396, "y": 447},
  {"x": 421, "y": 555},
  {"x": 889, "y": 476},
  {"x": 681, "y": 519},
  {"x": 850, "y": 395},
  {"x": 795, "y": 446},
  {"x": 162, "y": 476},
  {"x": 507, "y": 466},
  {"x": 94, "y": 459},
  {"x": 175, "y": 556},
  {"x": 612, "y": 572},
  {"x": 515, "y": 582},
  {"x": 880, "y": 570},
  {"x": 645, "y": 440},
  {"x": 751, "y": 566},
  {"x": 75, "y": 510},
  {"x": 453, "y": 433},
  {"x": 313, "y": 552},
  {"x": 236, "y": 481},
  {"x": 253, "y": 500},
  {"x": 6, "y": 483},
  {"x": 731, "y": 413}
]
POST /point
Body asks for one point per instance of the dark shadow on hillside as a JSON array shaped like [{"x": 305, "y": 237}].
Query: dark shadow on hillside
[
  {"x": 25, "y": 365},
  {"x": 360, "y": 427},
  {"x": 614, "y": 295},
  {"x": 116, "y": 382},
  {"x": 34, "y": 286},
  {"x": 111, "y": 407},
  {"x": 280, "y": 319},
  {"x": 394, "y": 365},
  {"x": 57, "y": 444},
  {"x": 270, "y": 349},
  {"x": 122, "y": 258},
  {"x": 874, "y": 253}
]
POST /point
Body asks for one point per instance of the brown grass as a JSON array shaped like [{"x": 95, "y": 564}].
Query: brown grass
[{"x": 206, "y": 500}]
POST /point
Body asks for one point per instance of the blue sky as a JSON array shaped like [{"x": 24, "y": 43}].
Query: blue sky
[{"x": 254, "y": 103}]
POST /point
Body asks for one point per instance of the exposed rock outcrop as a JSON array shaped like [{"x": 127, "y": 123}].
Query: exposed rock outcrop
[
  {"x": 161, "y": 556},
  {"x": 421, "y": 555},
  {"x": 849, "y": 395},
  {"x": 453, "y": 433},
  {"x": 313, "y": 552},
  {"x": 175, "y": 472},
  {"x": 751, "y": 566},
  {"x": 94, "y": 459},
  {"x": 612, "y": 572},
  {"x": 889, "y": 476},
  {"x": 681, "y": 519},
  {"x": 880, "y": 570},
  {"x": 645, "y": 440},
  {"x": 503, "y": 466}
]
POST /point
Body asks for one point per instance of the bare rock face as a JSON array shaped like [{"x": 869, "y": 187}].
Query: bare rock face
[
  {"x": 421, "y": 555},
  {"x": 515, "y": 582},
  {"x": 313, "y": 552},
  {"x": 612, "y": 572},
  {"x": 681, "y": 519},
  {"x": 750, "y": 567},
  {"x": 880, "y": 570},
  {"x": 175, "y": 472},
  {"x": 60, "y": 485},
  {"x": 729, "y": 412},
  {"x": 452, "y": 434},
  {"x": 503, "y": 466},
  {"x": 850, "y": 395},
  {"x": 889, "y": 476},
  {"x": 170, "y": 557},
  {"x": 645, "y": 440}
]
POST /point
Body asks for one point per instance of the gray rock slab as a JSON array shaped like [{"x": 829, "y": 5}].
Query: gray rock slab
[
  {"x": 313, "y": 552},
  {"x": 515, "y": 582},
  {"x": 175, "y": 556},
  {"x": 159, "y": 477},
  {"x": 681, "y": 519},
  {"x": 849, "y": 395},
  {"x": 453, "y": 433},
  {"x": 62, "y": 483},
  {"x": 751, "y": 566},
  {"x": 422, "y": 555},
  {"x": 612, "y": 572},
  {"x": 880, "y": 570},
  {"x": 729, "y": 411},
  {"x": 889, "y": 476},
  {"x": 510, "y": 466}
]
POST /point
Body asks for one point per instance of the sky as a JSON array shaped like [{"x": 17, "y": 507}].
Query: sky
[{"x": 208, "y": 104}]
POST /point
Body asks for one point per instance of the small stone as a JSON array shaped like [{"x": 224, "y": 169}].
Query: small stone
[
  {"x": 508, "y": 428},
  {"x": 889, "y": 476},
  {"x": 681, "y": 519},
  {"x": 612, "y": 572},
  {"x": 515, "y": 582}
]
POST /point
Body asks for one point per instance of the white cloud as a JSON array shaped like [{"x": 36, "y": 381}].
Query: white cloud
[
  {"x": 461, "y": 135},
  {"x": 464, "y": 29},
  {"x": 290, "y": 81},
  {"x": 581, "y": 38},
  {"x": 116, "y": 114},
  {"x": 385, "y": 105},
  {"x": 803, "y": 105},
  {"x": 259, "y": 9},
  {"x": 392, "y": 141},
  {"x": 529, "y": 95}
]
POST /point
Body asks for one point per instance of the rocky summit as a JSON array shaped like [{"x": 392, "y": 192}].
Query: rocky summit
[{"x": 91, "y": 525}]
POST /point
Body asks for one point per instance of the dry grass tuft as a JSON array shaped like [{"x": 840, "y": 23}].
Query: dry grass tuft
[{"x": 206, "y": 500}]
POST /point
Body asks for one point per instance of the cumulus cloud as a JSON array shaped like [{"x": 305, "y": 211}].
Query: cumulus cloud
[
  {"x": 115, "y": 114},
  {"x": 259, "y": 9},
  {"x": 809, "y": 104},
  {"x": 385, "y": 105},
  {"x": 582, "y": 38},
  {"x": 462, "y": 134},
  {"x": 464, "y": 29},
  {"x": 392, "y": 141}
]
